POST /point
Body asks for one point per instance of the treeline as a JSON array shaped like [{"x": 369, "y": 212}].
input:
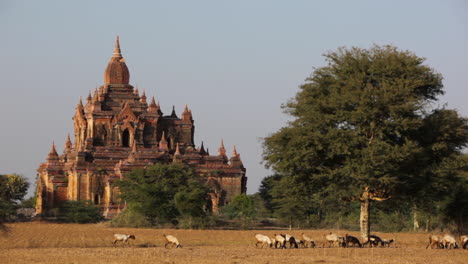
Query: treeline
[
  {"x": 448, "y": 211},
  {"x": 173, "y": 196}
]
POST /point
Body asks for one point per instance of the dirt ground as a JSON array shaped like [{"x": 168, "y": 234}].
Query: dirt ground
[{"x": 72, "y": 243}]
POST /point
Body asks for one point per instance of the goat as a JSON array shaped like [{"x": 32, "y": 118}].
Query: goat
[
  {"x": 351, "y": 240},
  {"x": 172, "y": 241},
  {"x": 280, "y": 239},
  {"x": 291, "y": 240},
  {"x": 307, "y": 241},
  {"x": 261, "y": 239},
  {"x": 122, "y": 237},
  {"x": 386, "y": 243},
  {"x": 449, "y": 242},
  {"x": 373, "y": 241},
  {"x": 334, "y": 239},
  {"x": 435, "y": 240},
  {"x": 464, "y": 242}
]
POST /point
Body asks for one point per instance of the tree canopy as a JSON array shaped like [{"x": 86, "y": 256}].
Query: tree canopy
[
  {"x": 80, "y": 212},
  {"x": 164, "y": 193},
  {"x": 365, "y": 128},
  {"x": 13, "y": 188}
]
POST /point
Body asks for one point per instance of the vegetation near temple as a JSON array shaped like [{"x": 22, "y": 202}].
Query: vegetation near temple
[
  {"x": 13, "y": 188},
  {"x": 163, "y": 193},
  {"x": 365, "y": 128},
  {"x": 80, "y": 212}
]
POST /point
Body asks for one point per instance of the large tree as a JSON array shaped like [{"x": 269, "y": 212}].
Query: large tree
[{"x": 364, "y": 128}]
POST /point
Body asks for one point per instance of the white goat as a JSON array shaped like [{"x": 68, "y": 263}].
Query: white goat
[
  {"x": 464, "y": 242},
  {"x": 172, "y": 241},
  {"x": 334, "y": 239},
  {"x": 435, "y": 240},
  {"x": 261, "y": 239},
  {"x": 308, "y": 242},
  {"x": 281, "y": 239},
  {"x": 122, "y": 237},
  {"x": 449, "y": 242}
]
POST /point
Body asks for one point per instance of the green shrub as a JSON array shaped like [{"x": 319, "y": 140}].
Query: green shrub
[
  {"x": 79, "y": 212},
  {"x": 131, "y": 217}
]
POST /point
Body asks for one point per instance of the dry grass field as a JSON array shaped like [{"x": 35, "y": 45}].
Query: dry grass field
[{"x": 72, "y": 243}]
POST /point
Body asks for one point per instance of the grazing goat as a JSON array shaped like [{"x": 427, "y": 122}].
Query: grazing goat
[
  {"x": 334, "y": 239},
  {"x": 122, "y": 237},
  {"x": 291, "y": 240},
  {"x": 464, "y": 242},
  {"x": 386, "y": 243},
  {"x": 352, "y": 241},
  {"x": 261, "y": 239},
  {"x": 373, "y": 241},
  {"x": 308, "y": 242},
  {"x": 172, "y": 241},
  {"x": 280, "y": 239},
  {"x": 449, "y": 242},
  {"x": 435, "y": 240}
]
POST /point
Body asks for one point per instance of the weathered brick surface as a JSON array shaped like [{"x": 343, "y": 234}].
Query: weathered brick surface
[{"x": 115, "y": 132}]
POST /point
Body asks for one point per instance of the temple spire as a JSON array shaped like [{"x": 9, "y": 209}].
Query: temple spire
[
  {"x": 153, "y": 102},
  {"x": 222, "y": 150},
  {"x": 143, "y": 97},
  {"x": 53, "y": 156},
  {"x": 234, "y": 151},
  {"x": 173, "y": 114},
  {"x": 117, "y": 53},
  {"x": 187, "y": 114},
  {"x": 202, "y": 149},
  {"x": 52, "y": 149},
  {"x": 68, "y": 143},
  {"x": 153, "y": 108}
]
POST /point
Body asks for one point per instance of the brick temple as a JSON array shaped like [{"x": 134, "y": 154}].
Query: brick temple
[{"x": 116, "y": 131}]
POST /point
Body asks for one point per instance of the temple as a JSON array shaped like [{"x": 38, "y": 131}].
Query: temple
[{"x": 116, "y": 131}]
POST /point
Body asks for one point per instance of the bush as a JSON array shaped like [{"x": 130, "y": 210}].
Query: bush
[
  {"x": 131, "y": 217},
  {"x": 79, "y": 212},
  {"x": 190, "y": 222}
]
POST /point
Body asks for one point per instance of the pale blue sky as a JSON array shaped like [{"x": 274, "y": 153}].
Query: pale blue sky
[{"x": 233, "y": 62}]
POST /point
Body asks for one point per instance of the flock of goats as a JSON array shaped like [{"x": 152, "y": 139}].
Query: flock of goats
[{"x": 284, "y": 240}]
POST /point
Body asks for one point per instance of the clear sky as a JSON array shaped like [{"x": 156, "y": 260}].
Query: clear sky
[{"x": 233, "y": 62}]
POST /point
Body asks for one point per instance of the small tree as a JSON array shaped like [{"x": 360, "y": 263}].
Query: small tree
[{"x": 13, "y": 188}]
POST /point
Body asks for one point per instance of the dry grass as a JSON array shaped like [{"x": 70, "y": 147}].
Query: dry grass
[{"x": 72, "y": 243}]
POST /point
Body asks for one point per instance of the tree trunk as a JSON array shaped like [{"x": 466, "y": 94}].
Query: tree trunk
[
  {"x": 364, "y": 218},
  {"x": 415, "y": 219}
]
